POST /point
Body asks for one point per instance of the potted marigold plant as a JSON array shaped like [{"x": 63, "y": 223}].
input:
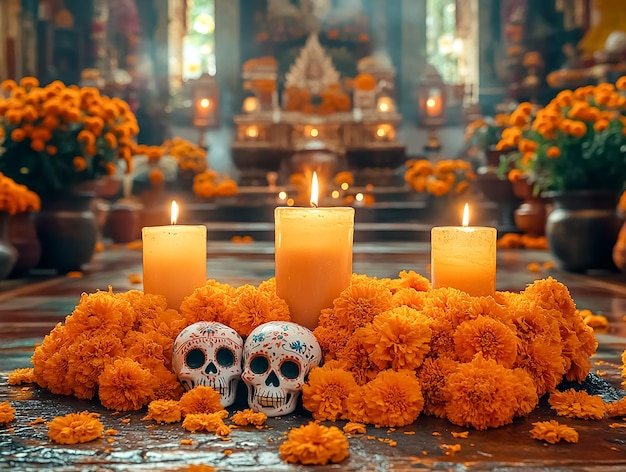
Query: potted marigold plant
[
  {"x": 574, "y": 152},
  {"x": 19, "y": 246},
  {"x": 58, "y": 140},
  {"x": 447, "y": 181}
]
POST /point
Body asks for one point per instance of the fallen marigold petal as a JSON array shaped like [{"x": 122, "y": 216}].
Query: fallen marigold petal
[
  {"x": 553, "y": 431},
  {"x": 354, "y": 428},
  {"x": 247, "y": 417},
  {"x": 7, "y": 412},
  {"x": 22, "y": 376},
  {"x": 210, "y": 422},
  {"x": 617, "y": 408},
  {"x": 577, "y": 404},
  {"x": 75, "y": 428}
]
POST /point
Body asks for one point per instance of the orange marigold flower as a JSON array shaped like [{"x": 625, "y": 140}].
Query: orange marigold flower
[
  {"x": 540, "y": 358},
  {"x": 247, "y": 417},
  {"x": 433, "y": 376},
  {"x": 79, "y": 163},
  {"x": 553, "y": 431},
  {"x": 490, "y": 337},
  {"x": 166, "y": 384},
  {"x": 125, "y": 385},
  {"x": 617, "y": 408},
  {"x": 314, "y": 444},
  {"x": 601, "y": 125},
  {"x": 22, "y": 376},
  {"x": 8, "y": 85},
  {"x": 7, "y": 412},
  {"x": 353, "y": 356},
  {"x": 164, "y": 411},
  {"x": 577, "y": 404},
  {"x": 156, "y": 176},
  {"x": 75, "y": 428},
  {"x": 398, "y": 338},
  {"x": 358, "y": 304},
  {"x": 210, "y": 302},
  {"x": 29, "y": 82},
  {"x": 52, "y": 150},
  {"x": 210, "y": 422},
  {"x": 482, "y": 394},
  {"x": 253, "y": 307},
  {"x": 553, "y": 152},
  {"x": 200, "y": 399},
  {"x": 409, "y": 279},
  {"x": 37, "y": 145},
  {"x": 410, "y": 297},
  {"x": 393, "y": 398},
  {"x": 18, "y": 135},
  {"x": 326, "y": 392},
  {"x": 620, "y": 84},
  {"x": 578, "y": 129},
  {"x": 101, "y": 312}
]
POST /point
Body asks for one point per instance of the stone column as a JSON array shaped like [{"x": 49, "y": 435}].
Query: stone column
[
  {"x": 227, "y": 54},
  {"x": 413, "y": 54}
]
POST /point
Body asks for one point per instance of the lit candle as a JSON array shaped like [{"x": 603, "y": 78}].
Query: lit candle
[
  {"x": 313, "y": 257},
  {"x": 433, "y": 105},
  {"x": 464, "y": 257},
  {"x": 174, "y": 259}
]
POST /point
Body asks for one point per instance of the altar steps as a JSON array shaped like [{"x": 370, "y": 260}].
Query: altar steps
[{"x": 396, "y": 215}]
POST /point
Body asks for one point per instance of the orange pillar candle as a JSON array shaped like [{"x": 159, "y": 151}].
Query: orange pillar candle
[
  {"x": 174, "y": 259},
  {"x": 313, "y": 255},
  {"x": 464, "y": 257}
]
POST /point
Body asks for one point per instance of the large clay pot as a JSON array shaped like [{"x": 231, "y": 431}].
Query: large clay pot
[
  {"x": 582, "y": 229},
  {"x": 8, "y": 254},
  {"x": 23, "y": 237},
  {"x": 66, "y": 226}
]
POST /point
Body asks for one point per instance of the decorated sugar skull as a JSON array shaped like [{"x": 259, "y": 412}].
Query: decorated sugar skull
[
  {"x": 277, "y": 358},
  {"x": 209, "y": 353}
]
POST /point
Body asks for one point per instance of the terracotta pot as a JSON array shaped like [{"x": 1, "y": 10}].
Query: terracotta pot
[
  {"x": 582, "y": 229},
  {"x": 124, "y": 224},
  {"x": 530, "y": 216},
  {"x": 66, "y": 227},
  {"x": 23, "y": 237},
  {"x": 8, "y": 254}
]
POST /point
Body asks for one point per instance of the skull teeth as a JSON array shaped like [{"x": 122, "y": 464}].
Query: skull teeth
[{"x": 271, "y": 402}]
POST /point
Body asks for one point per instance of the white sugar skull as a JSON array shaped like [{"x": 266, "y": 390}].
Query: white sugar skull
[
  {"x": 209, "y": 353},
  {"x": 277, "y": 358}
]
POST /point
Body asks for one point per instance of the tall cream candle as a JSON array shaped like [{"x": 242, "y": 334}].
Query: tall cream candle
[
  {"x": 174, "y": 259},
  {"x": 313, "y": 255},
  {"x": 464, "y": 257}
]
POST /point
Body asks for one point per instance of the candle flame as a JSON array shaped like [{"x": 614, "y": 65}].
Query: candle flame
[
  {"x": 174, "y": 212},
  {"x": 314, "y": 190},
  {"x": 466, "y": 215}
]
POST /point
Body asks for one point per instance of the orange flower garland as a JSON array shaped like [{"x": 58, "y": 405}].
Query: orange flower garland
[{"x": 315, "y": 444}]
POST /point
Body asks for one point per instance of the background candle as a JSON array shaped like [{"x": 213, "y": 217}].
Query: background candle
[
  {"x": 464, "y": 257},
  {"x": 174, "y": 260},
  {"x": 313, "y": 254}
]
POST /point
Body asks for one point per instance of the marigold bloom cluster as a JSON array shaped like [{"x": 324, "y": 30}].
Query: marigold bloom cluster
[
  {"x": 315, "y": 444},
  {"x": 58, "y": 136},
  {"x": 21, "y": 376},
  {"x": 573, "y": 143},
  {"x": 247, "y": 417},
  {"x": 445, "y": 177},
  {"x": 16, "y": 198},
  {"x": 478, "y": 361}
]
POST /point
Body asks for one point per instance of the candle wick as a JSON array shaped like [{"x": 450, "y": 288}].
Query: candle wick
[{"x": 314, "y": 205}]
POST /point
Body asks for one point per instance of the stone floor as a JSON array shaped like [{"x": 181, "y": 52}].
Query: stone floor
[{"x": 30, "y": 308}]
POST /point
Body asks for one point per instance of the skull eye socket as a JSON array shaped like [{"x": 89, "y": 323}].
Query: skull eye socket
[
  {"x": 225, "y": 357},
  {"x": 259, "y": 364},
  {"x": 290, "y": 370},
  {"x": 195, "y": 358}
]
